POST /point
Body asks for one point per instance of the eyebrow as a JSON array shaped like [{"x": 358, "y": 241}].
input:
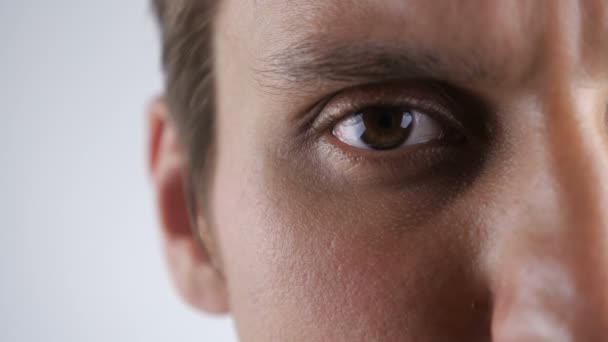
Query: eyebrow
[{"x": 310, "y": 61}]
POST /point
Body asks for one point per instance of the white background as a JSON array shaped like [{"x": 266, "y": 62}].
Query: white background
[{"x": 80, "y": 256}]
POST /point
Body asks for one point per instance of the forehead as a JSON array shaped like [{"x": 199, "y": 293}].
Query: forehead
[{"x": 509, "y": 37}]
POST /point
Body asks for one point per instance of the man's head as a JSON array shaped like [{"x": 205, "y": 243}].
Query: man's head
[{"x": 387, "y": 170}]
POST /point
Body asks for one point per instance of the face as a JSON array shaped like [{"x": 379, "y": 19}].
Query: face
[{"x": 411, "y": 170}]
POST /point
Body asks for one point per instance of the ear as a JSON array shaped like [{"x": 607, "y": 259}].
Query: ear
[{"x": 194, "y": 274}]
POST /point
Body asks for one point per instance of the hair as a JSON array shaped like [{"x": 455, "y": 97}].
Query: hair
[{"x": 186, "y": 28}]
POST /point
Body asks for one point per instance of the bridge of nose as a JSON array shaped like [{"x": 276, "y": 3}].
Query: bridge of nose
[{"x": 550, "y": 259}]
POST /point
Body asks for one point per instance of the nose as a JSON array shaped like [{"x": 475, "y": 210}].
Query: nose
[{"x": 550, "y": 280}]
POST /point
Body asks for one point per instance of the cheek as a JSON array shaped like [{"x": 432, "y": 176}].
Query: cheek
[{"x": 304, "y": 262}]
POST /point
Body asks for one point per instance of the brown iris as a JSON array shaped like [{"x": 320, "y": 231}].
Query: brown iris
[{"x": 384, "y": 128}]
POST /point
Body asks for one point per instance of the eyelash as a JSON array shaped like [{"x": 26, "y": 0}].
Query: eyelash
[{"x": 350, "y": 101}]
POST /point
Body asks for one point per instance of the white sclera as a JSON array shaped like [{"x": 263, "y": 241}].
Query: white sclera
[{"x": 425, "y": 129}]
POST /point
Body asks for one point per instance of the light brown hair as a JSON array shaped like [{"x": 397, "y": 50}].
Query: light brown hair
[{"x": 187, "y": 55}]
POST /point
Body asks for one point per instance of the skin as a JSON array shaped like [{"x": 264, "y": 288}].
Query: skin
[{"x": 501, "y": 238}]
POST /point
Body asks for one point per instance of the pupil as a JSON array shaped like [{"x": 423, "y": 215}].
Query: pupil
[
  {"x": 385, "y": 127},
  {"x": 385, "y": 121}
]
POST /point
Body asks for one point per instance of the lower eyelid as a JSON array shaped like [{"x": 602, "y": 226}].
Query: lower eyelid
[
  {"x": 359, "y": 155},
  {"x": 357, "y": 166}
]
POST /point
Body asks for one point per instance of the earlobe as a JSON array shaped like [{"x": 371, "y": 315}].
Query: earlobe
[{"x": 193, "y": 272}]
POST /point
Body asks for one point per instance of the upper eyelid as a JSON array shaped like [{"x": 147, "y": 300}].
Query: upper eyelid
[{"x": 345, "y": 103}]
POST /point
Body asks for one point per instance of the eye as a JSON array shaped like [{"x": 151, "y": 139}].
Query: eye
[{"x": 387, "y": 128}]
